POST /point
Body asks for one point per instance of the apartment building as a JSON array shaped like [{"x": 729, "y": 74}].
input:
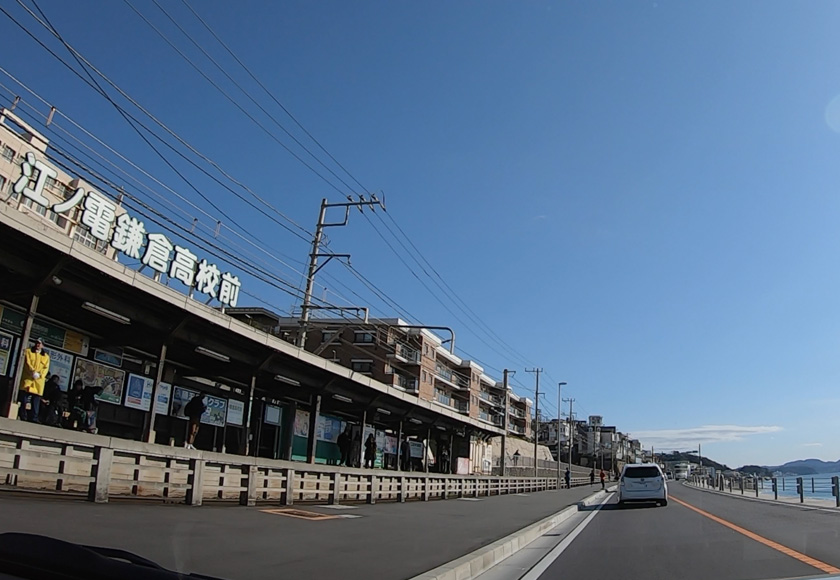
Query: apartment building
[
  {"x": 413, "y": 359},
  {"x": 50, "y": 194}
]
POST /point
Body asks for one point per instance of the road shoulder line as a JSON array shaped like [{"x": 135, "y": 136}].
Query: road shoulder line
[
  {"x": 475, "y": 563},
  {"x": 819, "y": 565}
]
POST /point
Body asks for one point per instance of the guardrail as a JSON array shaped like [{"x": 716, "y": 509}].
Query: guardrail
[
  {"x": 35, "y": 457},
  {"x": 825, "y": 488}
]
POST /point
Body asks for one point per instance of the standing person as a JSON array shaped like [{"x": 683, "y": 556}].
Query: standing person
[
  {"x": 76, "y": 416},
  {"x": 51, "y": 402},
  {"x": 194, "y": 410},
  {"x": 370, "y": 451},
  {"x": 344, "y": 446},
  {"x": 36, "y": 365},
  {"x": 405, "y": 456},
  {"x": 592, "y": 477},
  {"x": 356, "y": 450},
  {"x": 444, "y": 459},
  {"x": 603, "y": 475},
  {"x": 568, "y": 478}
]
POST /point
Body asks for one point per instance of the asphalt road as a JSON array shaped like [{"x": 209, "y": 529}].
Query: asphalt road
[
  {"x": 387, "y": 540},
  {"x": 648, "y": 543}
]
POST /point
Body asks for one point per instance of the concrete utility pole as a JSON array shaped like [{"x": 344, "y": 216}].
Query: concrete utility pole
[
  {"x": 559, "y": 421},
  {"x": 306, "y": 306},
  {"x": 571, "y": 431},
  {"x": 503, "y": 458},
  {"x": 536, "y": 418}
]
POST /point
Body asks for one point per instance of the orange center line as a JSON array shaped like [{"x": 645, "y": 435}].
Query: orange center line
[{"x": 822, "y": 566}]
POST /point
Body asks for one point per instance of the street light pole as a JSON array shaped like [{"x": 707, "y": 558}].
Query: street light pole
[{"x": 559, "y": 408}]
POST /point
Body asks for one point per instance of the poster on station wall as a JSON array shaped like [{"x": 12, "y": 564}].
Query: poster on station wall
[
  {"x": 302, "y": 423},
  {"x": 61, "y": 364},
  {"x": 164, "y": 392},
  {"x": 5, "y": 352},
  {"x": 93, "y": 374},
  {"x": 180, "y": 398},
  {"x": 138, "y": 392},
  {"x": 216, "y": 412},
  {"x": 390, "y": 445},
  {"x": 235, "y": 412},
  {"x": 328, "y": 428},
  {"x": 416, "y": 448},
  {"x": 272, "y": 415}
]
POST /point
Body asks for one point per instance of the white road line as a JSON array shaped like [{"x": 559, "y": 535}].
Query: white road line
[{"x": 540, "y": 567}]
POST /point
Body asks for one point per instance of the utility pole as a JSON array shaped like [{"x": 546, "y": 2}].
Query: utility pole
[
  {"x": 536, "y": 418},
  {"x": 559, "y": 419},
  {"x": 700, "y": 458},
  {"x": 571, "y": 431},
  {"x": 306, "y": 306},
  {"x": 503, "y": 458}
]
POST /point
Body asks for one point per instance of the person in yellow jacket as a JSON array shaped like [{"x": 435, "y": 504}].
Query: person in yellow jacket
[{"x": 36, "y": 365}]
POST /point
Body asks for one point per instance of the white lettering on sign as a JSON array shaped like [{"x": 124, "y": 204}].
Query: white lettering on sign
[
  {"x": 70, "y": 202},
  {"x": 129, "y": 234},
  {"x": 33, "y": 176},
  {"x": 158, "y": 248},
  {"x": 183, "y": 266},
  {"x": 99, "y": 215},
  {"x": 207, "y": 278},
  {"x": 229, "y": 290}
]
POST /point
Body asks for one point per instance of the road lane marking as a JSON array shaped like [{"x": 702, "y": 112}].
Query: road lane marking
[
  {"x": 540, "y": 567},
  {"x": 822, "y": 566}
]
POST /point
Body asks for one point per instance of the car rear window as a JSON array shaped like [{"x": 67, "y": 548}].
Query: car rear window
[{"x": 640, "y": 472}]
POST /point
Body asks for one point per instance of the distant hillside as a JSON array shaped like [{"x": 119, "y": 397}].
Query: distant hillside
[
  {"x": 755, "y": 470},
  {"x": 807, "y": 467},
  {"x": 692, "y": 458}
]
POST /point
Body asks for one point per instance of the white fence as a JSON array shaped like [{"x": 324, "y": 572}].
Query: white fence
[{"x": 35, "y": 457}]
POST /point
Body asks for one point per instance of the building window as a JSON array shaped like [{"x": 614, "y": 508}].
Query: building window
[
  {"x": 328, "y": 335},
  {"x": 36, "y": 207},
  {"x": 362, "y": 366},
  {"x": 8, "y": 153},
  {"x": 364, "y": 337},
  {"x": 83, "y": 236}
]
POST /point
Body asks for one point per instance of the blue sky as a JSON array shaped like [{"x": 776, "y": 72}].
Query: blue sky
[{"x": 639, "y": 197}]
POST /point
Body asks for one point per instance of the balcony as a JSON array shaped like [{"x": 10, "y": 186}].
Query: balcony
[
  {"x": 404, "y": 353},
  {"x": 498, "y": 420},
  {"x": 451, "y": 378},
  {"x": 494, "y": 400},
  {"x": 516, "y": 429},
  {"x": 453, "y": 403},
  {"x": 518, "y": 413},
  {"x": 409, "y": 384}
]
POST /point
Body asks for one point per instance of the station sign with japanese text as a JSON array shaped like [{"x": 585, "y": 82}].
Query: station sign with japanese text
[{"x": 128, "y": 235}]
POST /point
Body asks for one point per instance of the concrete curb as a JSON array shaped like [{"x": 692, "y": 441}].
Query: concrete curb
[
  {"x": 471, "y": 565},
  {"x": 809, "y": 506}
]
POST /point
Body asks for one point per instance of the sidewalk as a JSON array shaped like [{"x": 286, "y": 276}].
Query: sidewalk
[
  {"x": 386, "y": 540},
  {"x": 766, "y": 494}
]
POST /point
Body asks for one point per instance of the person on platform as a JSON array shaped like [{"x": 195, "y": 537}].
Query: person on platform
[
  {"x": 370, "y": 451},
  {"x": 194, "y": 410},
  {"x": 568, "y": 477},
  {"x": 603, "y": 476},
  {"x": 405, "y": 456},
  {"x": 83, "y": 405},
  {"x": 444, "y": 459},
  {"x": 592, "y": 477},
  {"x": 344, "y": 446},
  {"x": 36, "y": 365},
  {"x": 52, "y": 402},
  {"x": 356, "y": 451}
]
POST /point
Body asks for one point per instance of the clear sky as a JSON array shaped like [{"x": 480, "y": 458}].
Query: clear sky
[{"x": 639, "y": 197}]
